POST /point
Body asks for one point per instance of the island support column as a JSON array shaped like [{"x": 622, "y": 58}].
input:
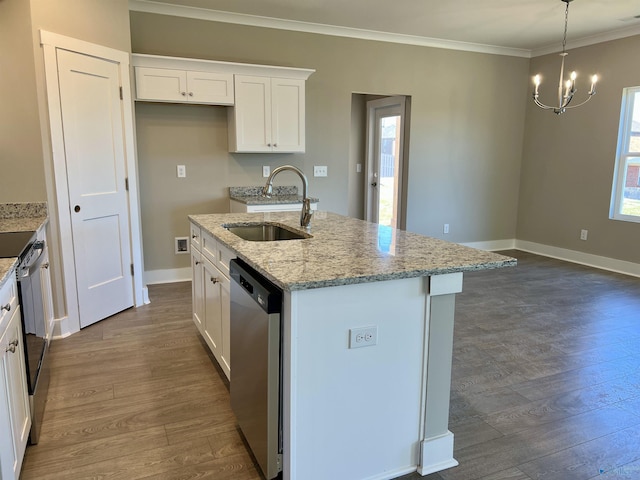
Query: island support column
[{"x": 436, "y": 446}]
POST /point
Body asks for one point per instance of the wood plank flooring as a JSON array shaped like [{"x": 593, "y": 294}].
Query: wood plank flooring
[{"x": 546, "y": 385}]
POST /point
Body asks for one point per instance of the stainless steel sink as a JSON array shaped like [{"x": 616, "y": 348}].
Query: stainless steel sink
[{"x": 265, "y": 232}]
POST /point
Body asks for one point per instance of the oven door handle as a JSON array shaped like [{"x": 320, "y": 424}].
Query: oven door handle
[{"x": 34, "y": 259}]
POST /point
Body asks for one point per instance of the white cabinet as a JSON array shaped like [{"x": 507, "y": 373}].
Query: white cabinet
[
  {"x": 211, "y": 294},
  {"x": 241, "y": 207},
  {"x": 169, "y": 85},
  {"x": 15, "y": 419},
  {"x": 268, "y": 116}
]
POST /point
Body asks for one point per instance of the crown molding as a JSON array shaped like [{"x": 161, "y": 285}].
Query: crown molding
[
  {"x": 150, "y": 6},
  {"x": 590, "y": 40}
]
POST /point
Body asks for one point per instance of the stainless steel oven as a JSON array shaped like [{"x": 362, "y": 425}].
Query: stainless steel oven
[{"x": 32, "y": 259}]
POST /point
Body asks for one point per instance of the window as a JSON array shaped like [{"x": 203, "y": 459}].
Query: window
[{"x": 625, "y": 200}]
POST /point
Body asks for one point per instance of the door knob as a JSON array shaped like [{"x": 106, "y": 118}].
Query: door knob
[{"x": 76, "y": 208}]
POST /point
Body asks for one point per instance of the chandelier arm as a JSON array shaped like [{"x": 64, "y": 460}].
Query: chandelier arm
[
  {"x": 542, "y": 105},
  {"x": 580, "y": 104}
]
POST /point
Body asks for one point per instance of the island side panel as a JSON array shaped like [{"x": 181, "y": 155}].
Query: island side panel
[
  {"x": 354, "y": 413},
  {"x": 437, "y": 442}
]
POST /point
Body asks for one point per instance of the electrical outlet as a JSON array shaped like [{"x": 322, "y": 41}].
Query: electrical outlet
[
  {"x": 266, "y": 171},
  {"x": 584, "y": 234},
  {"x": 445, "y": 229},
  {"x": 181, "y": 171},
  {"x": 319, "y": 171},
  {"x": 363, "y": 337}
]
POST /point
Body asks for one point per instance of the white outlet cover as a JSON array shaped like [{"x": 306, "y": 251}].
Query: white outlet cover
[{"x": 363, "y": 336}]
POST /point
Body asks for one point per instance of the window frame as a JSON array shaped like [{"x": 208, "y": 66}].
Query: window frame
[{"x": 629, "y": 94}]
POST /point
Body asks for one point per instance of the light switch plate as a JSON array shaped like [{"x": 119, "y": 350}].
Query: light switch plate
[{"x": 182, "y": 171}]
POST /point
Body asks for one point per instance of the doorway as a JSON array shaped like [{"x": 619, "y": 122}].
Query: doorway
[
  {"x": 385, "y": 164},
  {"x": 94, "y": 179}
]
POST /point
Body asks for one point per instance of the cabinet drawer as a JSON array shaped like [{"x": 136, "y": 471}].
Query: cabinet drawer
[
  {"x": 209, "y": 247},
  {"x": 8, "y": 301},
  {"x": 224, "y": 256},
  {"x": 195, "y": 236}
]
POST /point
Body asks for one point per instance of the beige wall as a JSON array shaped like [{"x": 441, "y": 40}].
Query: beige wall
[
  {"x": 20, "y": 146},
  {"x": 23, "y": 148},
  {"x": 466, "y": 132},
  {"x": 25, "y": 152},
  {"x": 568, "y": 160}
]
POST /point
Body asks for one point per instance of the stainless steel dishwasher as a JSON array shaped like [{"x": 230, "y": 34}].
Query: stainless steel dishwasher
[{"x": 256, "y": 305}]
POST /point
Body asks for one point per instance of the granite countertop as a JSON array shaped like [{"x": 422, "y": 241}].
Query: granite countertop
[
  {"x": 19, "y": 217},
  {"x": 281, "y": 195},
  {"x": 344, "y": 251}
]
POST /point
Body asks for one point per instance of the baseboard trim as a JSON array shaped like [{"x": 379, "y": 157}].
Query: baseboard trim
[
  {"x": 169, "y": 275},
  {"x": 436, "y": 454},
  {"x": 493, "y": 245},
  {"x": 61, "y": 328},
  {"x": 581, "y": 258}
]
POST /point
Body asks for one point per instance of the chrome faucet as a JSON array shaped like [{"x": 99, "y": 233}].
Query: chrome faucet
[{"x": 305, "y": 214}]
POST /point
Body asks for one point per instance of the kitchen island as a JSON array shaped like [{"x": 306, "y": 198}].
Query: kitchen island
[{"x": 377, "y": 412}]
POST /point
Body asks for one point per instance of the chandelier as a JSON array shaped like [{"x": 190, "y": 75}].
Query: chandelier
[{"x": 566, "y": 89}]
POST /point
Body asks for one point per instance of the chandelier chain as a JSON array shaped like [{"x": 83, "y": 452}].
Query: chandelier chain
[{"x": 566, "y": 24}]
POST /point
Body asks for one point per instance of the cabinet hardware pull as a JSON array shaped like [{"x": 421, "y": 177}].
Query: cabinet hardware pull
[
  {"x": 191, "y": 94},
  {"x": 214, "y": 280},
  {"x": 7, "y": 307},
  {"x": 45, "y": 265},
  {"x": 197, "y": 263},
  {"x": 275, "y": 144},
  {"x": 76, "y": 208},
  {"x": 194, "y": 236},
  {"x": 374, "y": 184},
  {"x": 268, "y": 144},
  {"x": 184, "y": 94}
]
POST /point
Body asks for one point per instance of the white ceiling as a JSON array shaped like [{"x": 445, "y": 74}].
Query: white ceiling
[{"x": 531, "y": 26}]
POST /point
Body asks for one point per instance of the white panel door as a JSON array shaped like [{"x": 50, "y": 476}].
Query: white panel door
[
  {"x": 288, "y": 114},
  {"x": 96, "y": 165},
  {"x": 253, "y": 113}
]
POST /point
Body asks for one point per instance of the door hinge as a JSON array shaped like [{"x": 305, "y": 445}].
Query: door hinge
[
  {"x": 132, "y": 273},
  {"x": 126, "y": 183},
  {"x": 121, "y": 94}
]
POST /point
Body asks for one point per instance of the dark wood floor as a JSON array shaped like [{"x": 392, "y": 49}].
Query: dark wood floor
[{"x": 546, "y": 385}]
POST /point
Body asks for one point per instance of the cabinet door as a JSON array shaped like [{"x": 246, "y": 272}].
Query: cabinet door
[
  {"x": 7, "y": 450},
  {"x": 287, "y": 115},
  {"x": 250, "y": 118},
  {"x": 211, "y": 88},
  {"x": 15, "y": 395},
  {"x": 161, "y": 84},
  {"x": 225, "y": 318},
  {"x": 197, "y": 289},
  {"x": 212, "y": 309}
]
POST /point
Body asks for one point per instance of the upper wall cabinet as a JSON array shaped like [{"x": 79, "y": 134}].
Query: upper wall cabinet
[
  {"x": 267, "y": 102},
  {"x": 269, "y": 115},
  {"x": 167, "y": 85}
]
